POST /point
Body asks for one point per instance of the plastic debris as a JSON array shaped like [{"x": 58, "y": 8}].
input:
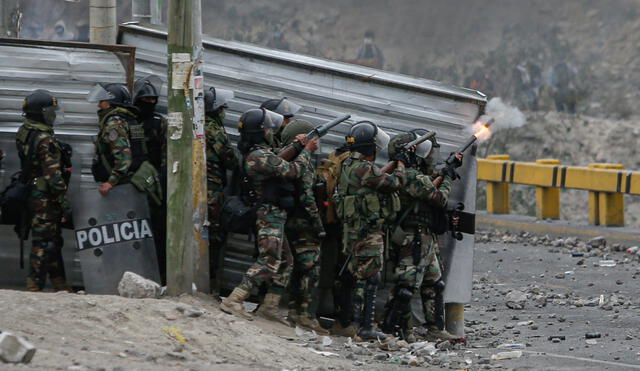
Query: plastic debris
[
  {"x": 323, "y": 353},
  {"x": 175, "y": 333},
  {"x": 607, "y": 263},
  {"x": 511, "y": 346},
  {"x": 507, "y": 355}
]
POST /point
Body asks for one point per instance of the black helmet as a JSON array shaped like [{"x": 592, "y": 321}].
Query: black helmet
[
  {"x": 41, "y": 106},
  {"x": 283, "y": 106},
  {"x": 216, "y": 98},
  {"x": 253, "y": 123},
  {"x": 147, "y": 87},
  {"x": 116, "y": 94},
  {"x": 365, "y": 137}
]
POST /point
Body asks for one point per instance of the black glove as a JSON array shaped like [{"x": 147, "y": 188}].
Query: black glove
[
  {"x": 456, "y": 162},
  {"x": 450, "y": 171},
  {"x": 403, "y": 156}
]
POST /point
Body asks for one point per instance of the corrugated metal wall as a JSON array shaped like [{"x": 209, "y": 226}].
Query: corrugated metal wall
[{"x": 69, "y": 73}]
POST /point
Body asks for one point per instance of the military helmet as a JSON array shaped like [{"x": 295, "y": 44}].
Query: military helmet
[
  {"x": 40, "y": 105},
  {"x": 115, "y": 94},
  {"x": 296, "y": 127},
  {"x": 147, "y": 87},
  {"x": 283, "y": 106},
  {"x": 365, "y": 137},
  {"x": 398, "y": 141},
  {"x": 216, "y": 98}
]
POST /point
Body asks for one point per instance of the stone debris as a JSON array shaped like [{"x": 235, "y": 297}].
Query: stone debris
[
  {"x": 516, "y": 299},
  {"x": 135, "y": 286},
  {"x": 190, "y": 311},
  {"x": 14, "y": 349}
]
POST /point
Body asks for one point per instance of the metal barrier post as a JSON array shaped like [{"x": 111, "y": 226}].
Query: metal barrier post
[
  {"x": 454, "y": 318},
  {"x": 548, "y": 198},
  {"x": 606, "y": 208},
  {"x": 498, "y": 193}
]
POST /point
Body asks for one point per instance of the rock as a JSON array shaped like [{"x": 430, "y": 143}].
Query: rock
[
  {"x": 597, "y": 242},
  {"x": 14, "y": 349},
  {"x": 134, "y": 286},
  {"x": 516, "y": 299},
  {"x": 192, "y": 312},
  {"x": 571, "y": 241},
  {"x": 560, "y": 276}
]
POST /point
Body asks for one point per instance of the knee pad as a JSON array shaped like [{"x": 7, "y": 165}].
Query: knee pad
[
  {"x": 439, "y": 286},
  {"x": 372, "y": 283},
  {"x": 404, "y": 294}
]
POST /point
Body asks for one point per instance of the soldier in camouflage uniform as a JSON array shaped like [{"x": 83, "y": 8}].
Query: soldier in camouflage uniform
[
  {"x": 145, "y": 98},
  {"x": 121, "y": 148},
  {"x": 220, "y": 158},
  {"x": 286, "y": 108},
  {"x": 41, "y": 155},
  {"x": 304, "y": 230},
  {"x": 366, "y": 200},
  {"x": 413, "y": 243},
  {"x": 266, "y": 176}
]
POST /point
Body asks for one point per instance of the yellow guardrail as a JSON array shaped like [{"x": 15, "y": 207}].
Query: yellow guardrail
[{"x": 607, "y": 184}]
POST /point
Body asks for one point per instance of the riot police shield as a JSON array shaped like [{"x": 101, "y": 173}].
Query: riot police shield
[{"x": 113, "y": 236}]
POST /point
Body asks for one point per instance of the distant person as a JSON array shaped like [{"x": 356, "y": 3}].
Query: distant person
[
  {"x": 563, "y": 82},
  {"x": 524, "y": 86},
  {"x": 480, "y": 81},
  {"x": 60, "y": 32},
  {"x": 370, "y": 54},
  {"x": 277, "y": 41}
]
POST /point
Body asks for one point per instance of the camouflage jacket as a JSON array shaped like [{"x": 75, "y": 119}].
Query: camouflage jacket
[
  {"x": 420, "y": 194},
  {"x": 306, "y": 213},
  {"x": 220, "y": 154},
  {"x": 46, "y": 169},
  {"x": 113, "y": 142},
  {"x": 366, "y": 194},
  {"x": 262, "y": 164}
]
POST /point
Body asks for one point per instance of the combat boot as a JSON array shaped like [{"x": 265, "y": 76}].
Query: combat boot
[
  {"x": 233, "y": 303},
  {"x": 32, "y": 285},
  {"x": 269, "y": 309},
  {"x": 60, "y": 284},
  {"x": 338, "y": 330},
  {"x": 367, "y": 331},
  {"x": 306, "y": 321}
]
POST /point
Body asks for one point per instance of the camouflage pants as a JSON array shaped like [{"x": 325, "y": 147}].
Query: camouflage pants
[
  {"x": 275, "y": 262},
  {"x": 410, "y": 275},
  {"x": 215, "y": 198},
  {"x": 46, "y": 251},
  {"x": 306, "y": 266},
  {"x": 429, "y": 289}
]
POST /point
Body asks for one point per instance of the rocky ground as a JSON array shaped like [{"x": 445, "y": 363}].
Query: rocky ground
[{"x": 534, "y": 296}]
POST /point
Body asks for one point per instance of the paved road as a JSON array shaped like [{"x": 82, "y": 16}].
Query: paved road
[{"x": 501, "y": 268}]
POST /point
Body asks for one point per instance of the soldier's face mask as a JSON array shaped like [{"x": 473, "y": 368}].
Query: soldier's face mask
[
  {"x": 53, "y": 115},
  {"x": 268, "y": 137},
  {"x": 146, "y": 108}
]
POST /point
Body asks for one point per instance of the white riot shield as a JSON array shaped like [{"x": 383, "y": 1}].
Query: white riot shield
[{"x": 113, "y": 236}]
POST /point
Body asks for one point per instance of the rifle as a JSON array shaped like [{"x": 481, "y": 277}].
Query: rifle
[
  {"x": 391, "y": 166},
  {"x": 450, "y": 161},
  {"x": 23, "y": 233},
  {"x": 291, "y": 152}
]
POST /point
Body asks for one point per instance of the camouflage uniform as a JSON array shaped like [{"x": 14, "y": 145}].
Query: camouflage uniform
[
  {"x": 303, "y": 228},
  {"x": 363, "y": 213},
  {"x": 414, "y": 247},
  {"x": 274, "y": 263},
  {"x": 47, "y": 205},
  {"x": 114, "y": 144},
  {"x": 220, "y": 158}
]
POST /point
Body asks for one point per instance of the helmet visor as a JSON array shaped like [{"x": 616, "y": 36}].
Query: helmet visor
[
  {"x": 272, "y": 120},
  {"x": 382, "y": 139},
  {"x": 222, "y": 97},
  {"x": 423, "y": 149},
  {"x": 99, "y": 93},
  {"x": 53, "y": 115},
  {"x": 287, "y": 108},
  {"x": 149, "y": 86}
]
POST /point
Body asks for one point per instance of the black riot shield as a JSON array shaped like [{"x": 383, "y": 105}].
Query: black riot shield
[{"x": 113, "y": 236}]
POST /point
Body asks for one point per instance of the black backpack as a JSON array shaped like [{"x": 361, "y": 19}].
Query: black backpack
[{"x": 13, "y": 199}]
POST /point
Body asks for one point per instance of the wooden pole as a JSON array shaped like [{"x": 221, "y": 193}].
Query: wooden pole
[{"x": 184, "y": 221}]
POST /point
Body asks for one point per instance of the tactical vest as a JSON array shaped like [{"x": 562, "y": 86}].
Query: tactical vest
[
  {"x": 155, "y": 139},
  {"x": 137, "y": 142},
  {"x": 27, "y": 138},
  {"x": 366, "y": 209},
  {"x": 273, "y": 191}
]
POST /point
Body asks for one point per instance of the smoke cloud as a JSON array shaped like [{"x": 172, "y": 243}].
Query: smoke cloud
[{"x": 506, "y": 116}]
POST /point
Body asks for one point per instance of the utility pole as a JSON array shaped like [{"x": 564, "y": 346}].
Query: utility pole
[
  {"x": 187, "y": 247},
  {"x": 102, "y": 21}
]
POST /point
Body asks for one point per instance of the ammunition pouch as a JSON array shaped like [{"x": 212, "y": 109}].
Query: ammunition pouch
[
  {"x": 237, "y": 216},
  {"x": 147, "y": 180},
  {"x": 13, "y": 200}
]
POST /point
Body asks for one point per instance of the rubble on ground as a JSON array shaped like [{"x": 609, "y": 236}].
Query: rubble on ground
[{"x": 135, "y": 286}]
